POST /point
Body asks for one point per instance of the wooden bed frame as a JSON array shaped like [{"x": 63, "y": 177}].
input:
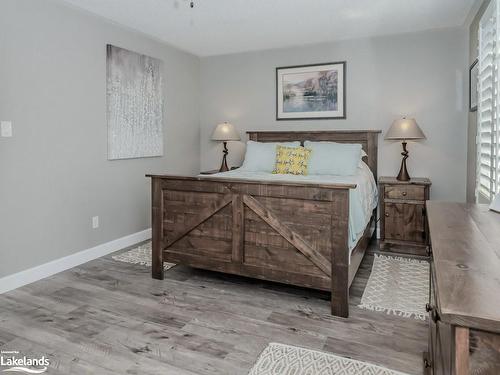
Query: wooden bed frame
[{"x": 292, "y": 233}]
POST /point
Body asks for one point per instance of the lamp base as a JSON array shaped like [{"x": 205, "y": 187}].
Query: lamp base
[
  {"x": 403, "y": 172},
  {"x": 223, "y": 166}
]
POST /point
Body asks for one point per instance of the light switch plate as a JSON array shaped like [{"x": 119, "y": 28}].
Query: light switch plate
[{"x": 6, "y": 129}]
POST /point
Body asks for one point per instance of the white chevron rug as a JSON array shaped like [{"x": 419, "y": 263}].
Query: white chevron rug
[
  {"x": 280, "y": 359},
  {"x": 140, "y": 255},
  {"x": 398, "y": 286}
]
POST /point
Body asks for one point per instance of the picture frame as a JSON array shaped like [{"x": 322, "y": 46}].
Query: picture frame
[
  {"x": 473, "y": 81},
  {"x": 311, "y": 92}
]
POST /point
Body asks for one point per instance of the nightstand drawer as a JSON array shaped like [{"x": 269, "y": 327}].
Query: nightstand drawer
[{"x": 405, "y": 192}]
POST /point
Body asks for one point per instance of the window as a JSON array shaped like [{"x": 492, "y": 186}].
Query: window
[{"x": 487, "y": 183}]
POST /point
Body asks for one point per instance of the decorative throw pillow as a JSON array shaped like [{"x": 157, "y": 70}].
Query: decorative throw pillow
[
  {"x": 291, "y": 160},
  {"x": 261, "y": 156}
]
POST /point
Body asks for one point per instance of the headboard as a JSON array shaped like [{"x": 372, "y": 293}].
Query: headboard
[{"x": 367, "y": 138}]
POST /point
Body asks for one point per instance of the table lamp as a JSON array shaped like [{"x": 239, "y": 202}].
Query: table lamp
[
  {"x": 225, "y": 132},
  {"x": 402, "y": 130}
]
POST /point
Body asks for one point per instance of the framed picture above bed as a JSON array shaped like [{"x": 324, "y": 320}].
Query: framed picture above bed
[{"x": 311, "y": 92}]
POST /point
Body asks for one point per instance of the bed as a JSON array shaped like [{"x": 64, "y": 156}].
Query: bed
[{"x": 309, "y": 231}]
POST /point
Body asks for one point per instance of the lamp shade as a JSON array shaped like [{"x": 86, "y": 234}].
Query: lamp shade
[
  {"x": 404, "y": 128},
  {"x": 225, "y": 132}
]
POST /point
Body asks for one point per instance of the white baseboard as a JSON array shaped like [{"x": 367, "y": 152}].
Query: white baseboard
[{"x": 31, "y": 275}]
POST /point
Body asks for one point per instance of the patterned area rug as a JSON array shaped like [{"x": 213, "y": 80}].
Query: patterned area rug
[
  {"x": 140, "y": 255},
  {"x": 398, "y": 286},
  {"x": 279, "y": 359}
]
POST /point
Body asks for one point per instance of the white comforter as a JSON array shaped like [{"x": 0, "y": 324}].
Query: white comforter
[{"x": 363, "y": 199}]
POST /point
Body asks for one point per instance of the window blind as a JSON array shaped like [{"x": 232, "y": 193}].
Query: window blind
[{"x": 488, "y": 104}]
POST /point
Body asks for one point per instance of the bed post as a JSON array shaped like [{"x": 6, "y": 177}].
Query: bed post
[
  {"x": 157, "y": 227},
  {"x": 340, "y": 254},
  {"x": 372, "y": 151}
]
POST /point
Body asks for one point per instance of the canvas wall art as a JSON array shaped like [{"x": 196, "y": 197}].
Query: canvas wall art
[
  {"x": 134, "y": 105},
  {"x": 311, "y": 91}
]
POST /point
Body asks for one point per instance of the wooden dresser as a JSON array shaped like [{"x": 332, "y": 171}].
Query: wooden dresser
[
  {"x": 402, "y": 215},
  {"x": 464, "y": 303}
]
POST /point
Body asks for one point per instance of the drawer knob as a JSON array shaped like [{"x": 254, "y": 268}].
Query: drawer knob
[
  {"x": 386, "y": 214},
  {"x": 404, "y": 193}
]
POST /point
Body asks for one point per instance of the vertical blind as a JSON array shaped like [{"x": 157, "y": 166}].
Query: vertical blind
[{"x": 488, "y": 104}]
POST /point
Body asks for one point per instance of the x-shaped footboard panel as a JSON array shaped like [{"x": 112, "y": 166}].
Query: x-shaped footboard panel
[
  {"x": 292, "y": 237},
  {"x": 266, "y": 215},
  {"x": 203, "y": 216}
]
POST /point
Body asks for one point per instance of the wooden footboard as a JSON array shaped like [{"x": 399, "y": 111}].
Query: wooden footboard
[{"x": 285, "y": 232}]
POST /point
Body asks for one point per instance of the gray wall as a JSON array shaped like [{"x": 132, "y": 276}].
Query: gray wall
[
  {"x": 54, "y": 173},
  {"x": 472, "y": 119},
  {"x": 419, "y": 74}
]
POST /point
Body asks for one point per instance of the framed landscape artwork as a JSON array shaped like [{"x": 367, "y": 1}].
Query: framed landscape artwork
[{"x": 311, "y": 92}]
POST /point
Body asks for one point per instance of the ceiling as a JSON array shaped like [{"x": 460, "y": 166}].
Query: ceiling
[{"x": 215, "y": 27}]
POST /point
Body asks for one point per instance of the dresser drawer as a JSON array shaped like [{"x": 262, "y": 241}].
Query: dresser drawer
[{"x": 405, "y": 192}]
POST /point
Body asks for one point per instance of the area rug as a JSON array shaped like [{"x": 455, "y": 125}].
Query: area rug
[
  {"x": 398, "y": 286},
  {"x": 140, "y": 255},
  {"x": 280, "y": 359}
]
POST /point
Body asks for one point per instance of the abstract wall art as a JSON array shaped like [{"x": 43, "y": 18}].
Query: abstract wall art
[
  {"x": 311, "y": 91},
  {"x": 134, "y": 104}
]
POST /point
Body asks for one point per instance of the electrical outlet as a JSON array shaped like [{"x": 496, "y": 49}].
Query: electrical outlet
[
  {"x": 6, "y": 129},
  {"x": 95, "y": 222}
]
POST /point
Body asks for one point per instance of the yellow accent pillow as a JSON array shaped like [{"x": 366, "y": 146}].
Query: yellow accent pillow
[{"x": 291, "y": 160}]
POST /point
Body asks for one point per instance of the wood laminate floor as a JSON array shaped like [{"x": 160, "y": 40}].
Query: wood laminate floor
[{"x": 109, "y": 317}]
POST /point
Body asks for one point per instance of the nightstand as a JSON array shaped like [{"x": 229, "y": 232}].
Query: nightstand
[{"x": 403, "y": 224}]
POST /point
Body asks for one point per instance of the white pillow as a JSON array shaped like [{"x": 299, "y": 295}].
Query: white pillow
[
  {"x": 261, "y": 156},
  {"x": 332, "y": 158}
]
